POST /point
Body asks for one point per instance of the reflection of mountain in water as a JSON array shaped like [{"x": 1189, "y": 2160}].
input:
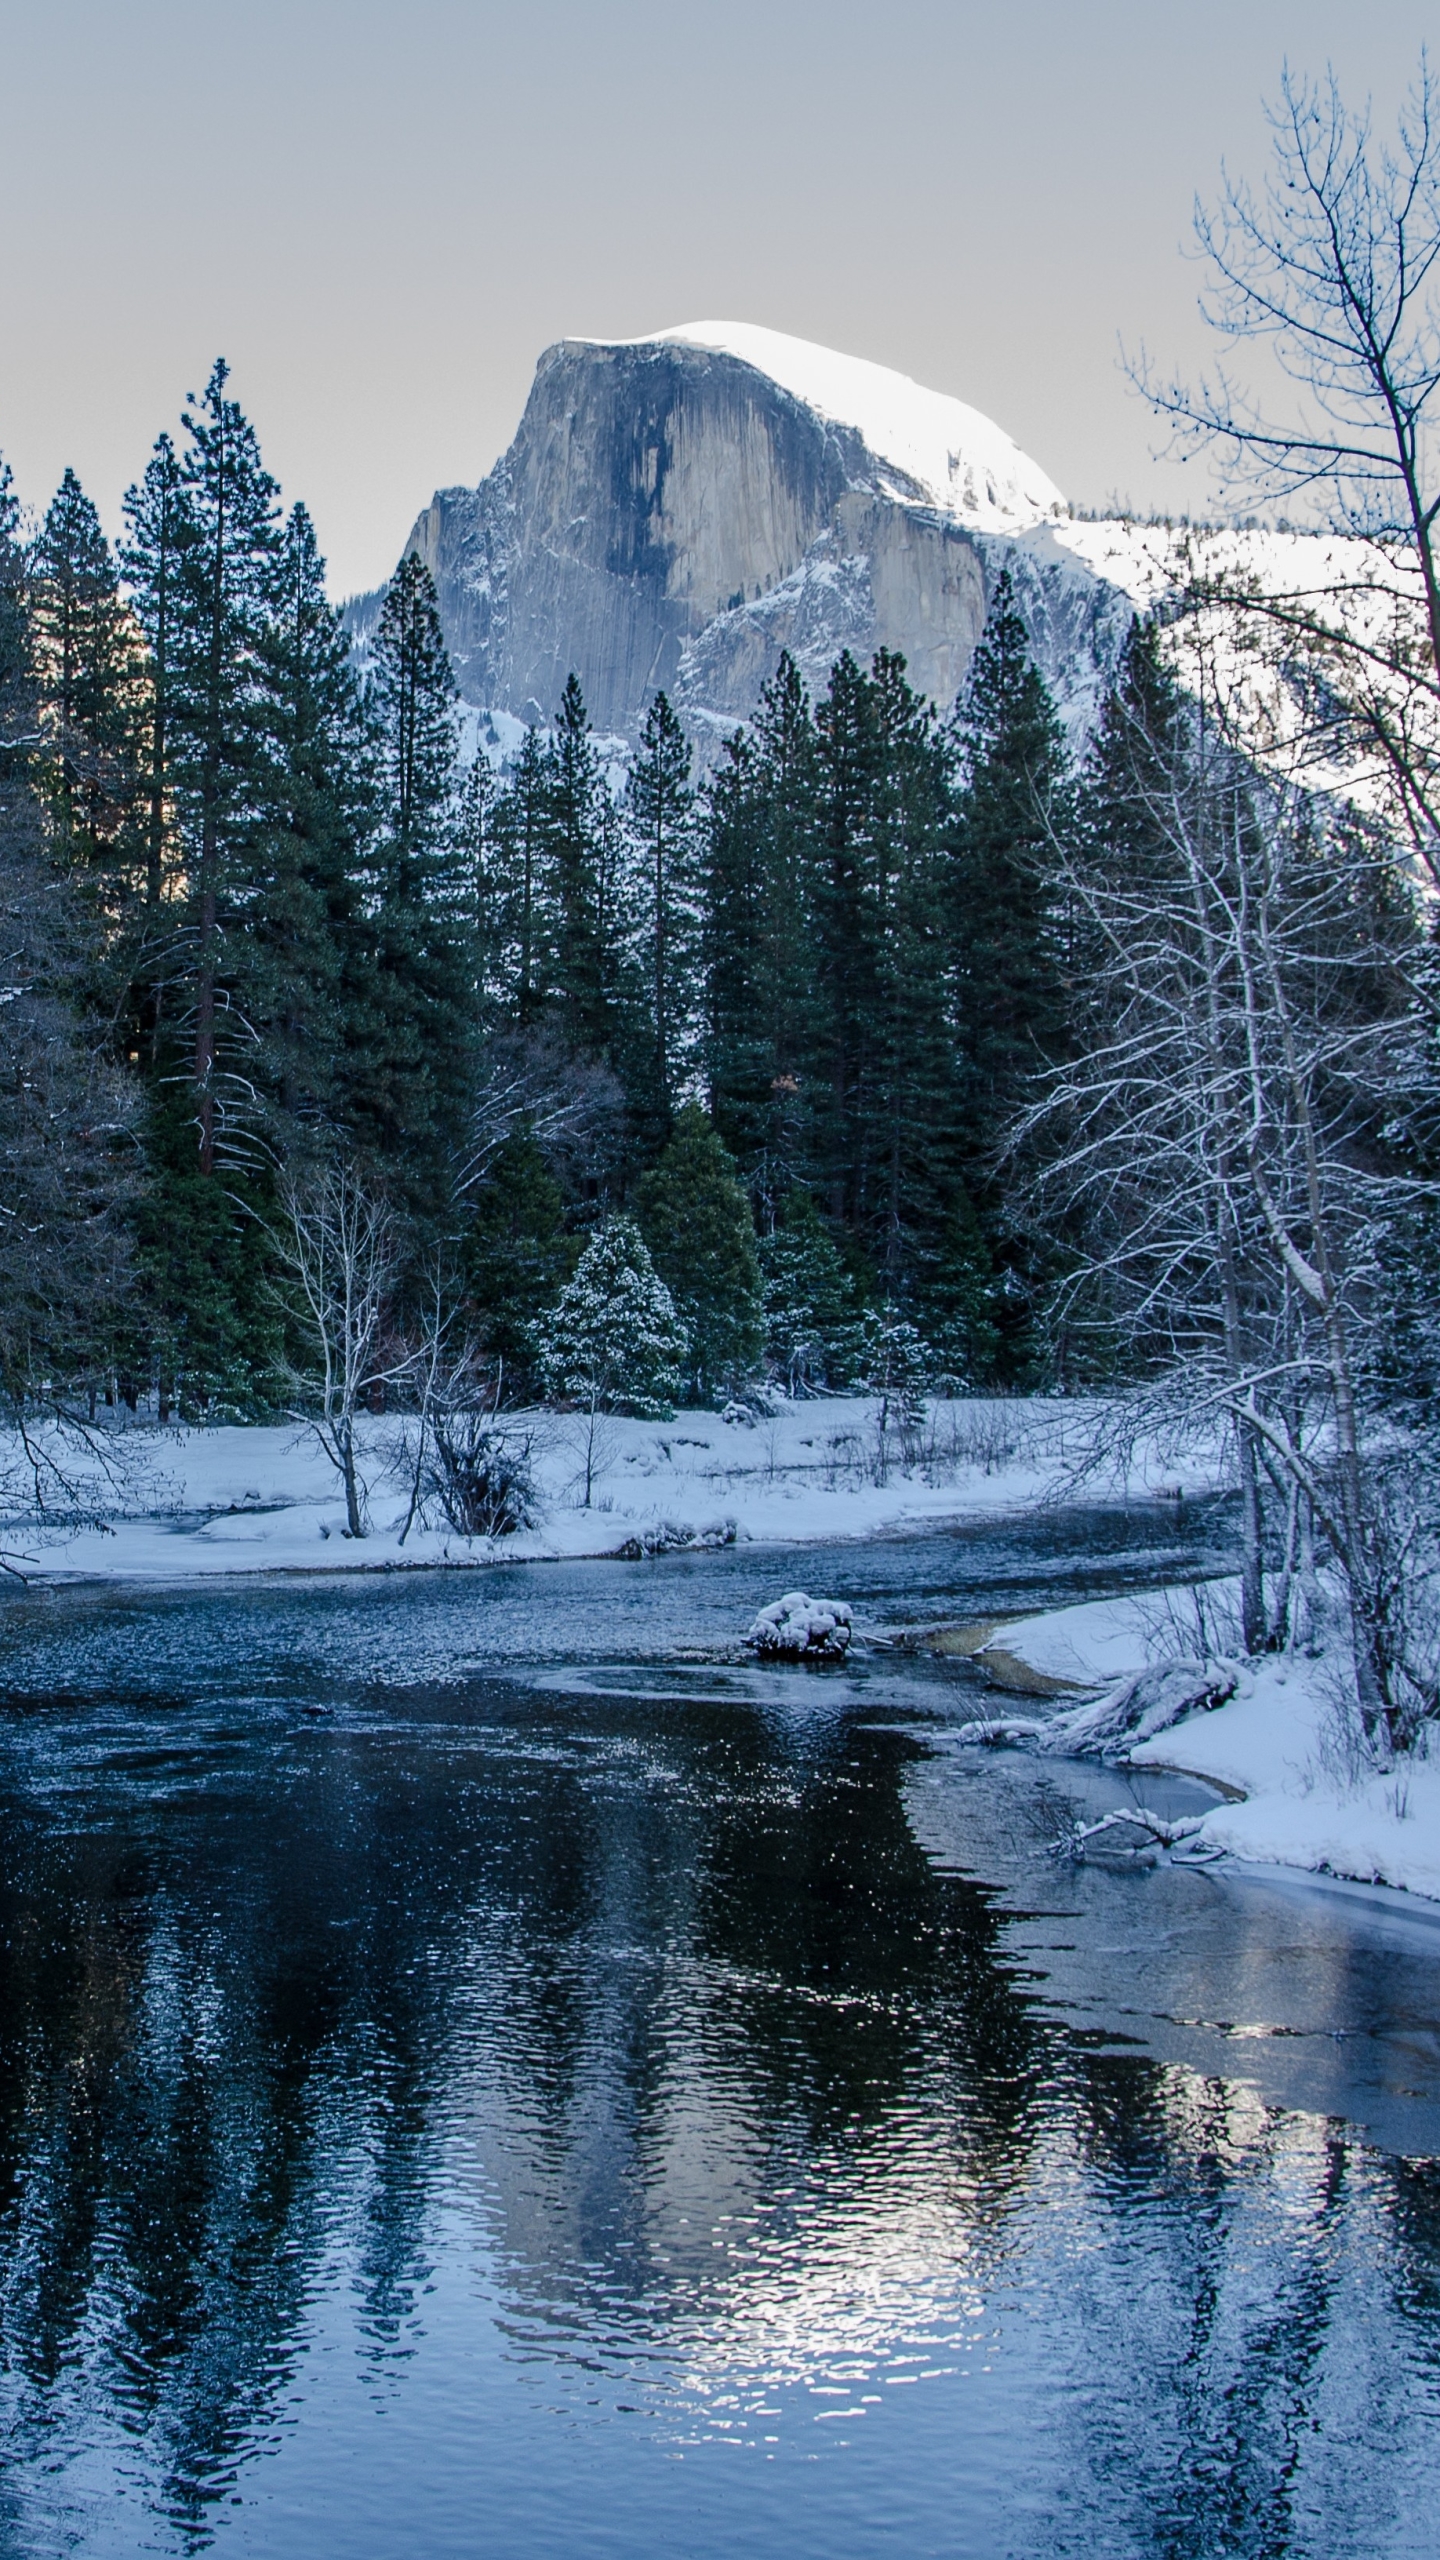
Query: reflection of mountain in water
[{"x": 730, "y": 2088}]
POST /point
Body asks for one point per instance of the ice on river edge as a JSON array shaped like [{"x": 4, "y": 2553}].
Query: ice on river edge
[{"x": 1277, "y": 1744}]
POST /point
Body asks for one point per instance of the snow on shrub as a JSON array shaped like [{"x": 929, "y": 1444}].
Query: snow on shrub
[
  {"x": 801, "y": 1629},
  {"x": 614, "y": 1342},
  {"x": 675, "y": 1537}
]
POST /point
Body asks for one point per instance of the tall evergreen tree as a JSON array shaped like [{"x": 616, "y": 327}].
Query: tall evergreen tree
[
  {"x": 309, "y": 993},
  {"x": 157, "y": 525},
  {"x": 410, "y": 1076},
  {"x": 517, "y": 956},
  {"x": 218, "y": 714},
  {"x": 696, "y": 1221},
  {"x": 200, "y": 560},
  {"x": 661, "y": 813},
  {"x": 1010, "y": 997},
  {"x": 1008, "y": 940},
  {"x": 580, "y": 882},
  {"x": 63, "y": 1168},
  {"x": 88, "y": 677},
  {"x": 758, "y": 954}
]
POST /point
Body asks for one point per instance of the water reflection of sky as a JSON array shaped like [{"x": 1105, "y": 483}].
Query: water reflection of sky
[{"x": 516, "y": 2118}]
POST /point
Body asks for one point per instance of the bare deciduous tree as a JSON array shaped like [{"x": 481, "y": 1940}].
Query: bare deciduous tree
[
  {"x": 1335, "y": 266},
  {"x": 1215, "y": 1153},
  {"x": 530, "y": 1084},
  {"x": 338, "y": 1245}
]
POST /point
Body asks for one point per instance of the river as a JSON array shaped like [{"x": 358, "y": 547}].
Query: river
[{"x": 472, "y": 2083}]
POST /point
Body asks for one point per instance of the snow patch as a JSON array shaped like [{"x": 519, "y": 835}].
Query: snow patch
[
  {"x": 944, "y": 452},
  {"x": 1278, "y": 1744}
]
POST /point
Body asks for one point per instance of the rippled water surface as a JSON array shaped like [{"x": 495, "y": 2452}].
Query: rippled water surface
[{"x": 473, "y": 2084}]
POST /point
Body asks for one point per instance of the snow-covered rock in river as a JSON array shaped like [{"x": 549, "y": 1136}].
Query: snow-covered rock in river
[{"x": 800, "y": 1629}]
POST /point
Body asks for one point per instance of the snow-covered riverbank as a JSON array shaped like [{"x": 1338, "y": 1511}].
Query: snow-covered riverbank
[
  {"x": 1279, "y": 1744},
  {"x": 187, "y": 1503}
]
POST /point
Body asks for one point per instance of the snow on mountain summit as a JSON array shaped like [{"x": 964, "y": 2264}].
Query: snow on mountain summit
[{"x": 956, "y": 458}]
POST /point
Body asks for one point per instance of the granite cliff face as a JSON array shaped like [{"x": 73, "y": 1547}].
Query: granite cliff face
[{"x": 675, "y": 511}]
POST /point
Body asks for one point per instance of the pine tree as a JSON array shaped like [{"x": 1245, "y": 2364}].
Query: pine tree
[
  {"x": 847, "y": 954},
  {"x": 88, "y": 675},
  {"x": 516, "y": 1256},
  {"x": 661, "y": 811},
  {"x": 1010, "y": 995},
  {"x": 579, "y": 882},
  {"x": 200, "y": 562},
  {"x": 64, "y": 1168},
  {"x": 410, "y": 1073},
  {"x": 809, "y": 1300},
  {"x": 1140, "y": 743},
  {"x": 696, "y": 1221},
  {"x": 1008, "y": 942},
  {"x": 517, "y": 918},
  {"x": 758, "y": 938},
  {"x": 476, "y": 866},
  {"x": 157, "y": 525},
  {"x": 218, "y": 713},
  {"x": 614, "y": 1342},
  {"x": 307, "y": 993}
]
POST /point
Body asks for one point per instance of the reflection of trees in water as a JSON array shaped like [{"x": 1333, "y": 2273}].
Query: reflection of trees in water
[
  {"x": 1238, "y": 2382},
  {"x": 592, "y": 1973}
]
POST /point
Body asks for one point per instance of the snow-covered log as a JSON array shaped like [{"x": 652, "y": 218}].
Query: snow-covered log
[
  {"x": 1106, "y": 1728},
  {"x": 1132, "y": 1836},
  {"x": 799, "y": 1629}
]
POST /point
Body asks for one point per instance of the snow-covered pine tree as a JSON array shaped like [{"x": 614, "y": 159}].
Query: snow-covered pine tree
[
  {"x": 614, "y": 1343},
  {"x": 697, "y": 1223}
]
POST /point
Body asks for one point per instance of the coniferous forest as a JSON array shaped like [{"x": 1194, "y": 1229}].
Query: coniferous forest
[{"x": 265, "y": 920}]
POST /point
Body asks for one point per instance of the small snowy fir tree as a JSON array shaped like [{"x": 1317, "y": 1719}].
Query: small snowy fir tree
[
  {"x": 894, "y": 1365},
  {"x": 614, "y": 1343}
]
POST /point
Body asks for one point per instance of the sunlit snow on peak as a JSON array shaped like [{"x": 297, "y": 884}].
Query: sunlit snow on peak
[{"x": 957, "y": 459}]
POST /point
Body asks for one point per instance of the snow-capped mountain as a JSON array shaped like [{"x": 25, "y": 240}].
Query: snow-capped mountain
[{"x": 676, "y": 510}]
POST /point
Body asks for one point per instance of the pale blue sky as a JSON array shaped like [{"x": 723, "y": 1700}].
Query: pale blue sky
[{"x": 381, "y": 214}]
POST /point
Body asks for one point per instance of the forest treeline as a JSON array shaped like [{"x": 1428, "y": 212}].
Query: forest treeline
[
  {"x": 259, "y": 912},
  {"x": 786, "y": 1024}
]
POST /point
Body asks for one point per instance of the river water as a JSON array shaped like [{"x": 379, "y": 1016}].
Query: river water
[{"x": 471, "y": 2083}]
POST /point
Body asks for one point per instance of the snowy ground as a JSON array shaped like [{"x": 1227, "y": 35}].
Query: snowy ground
[
  {"x": 186, "y": 1503},
  {"x": 1282, "y": 1743}
]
